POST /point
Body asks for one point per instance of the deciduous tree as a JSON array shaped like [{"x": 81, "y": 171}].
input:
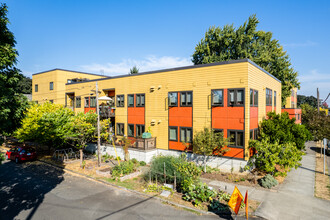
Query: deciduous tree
[
  {"x": 45, "y": 124},
  {"x": 80, "y": 130},
  {"x": 207, "y": 143},
  {"x": 229, "y": 43},
  {"x": 12, "y": 104},
  {"x": 317, "y": 123},
  {"x": 279, "y": 128}
]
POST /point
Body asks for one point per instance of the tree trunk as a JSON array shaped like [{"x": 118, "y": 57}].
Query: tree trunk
[
  {"x": 127, "y": 156},
  {"x": 204, "y": 163},
  {"x": 81, "y": 157}
]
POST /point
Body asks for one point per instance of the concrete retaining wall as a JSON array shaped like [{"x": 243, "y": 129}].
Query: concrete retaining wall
[{"x": 224, "y": 164}]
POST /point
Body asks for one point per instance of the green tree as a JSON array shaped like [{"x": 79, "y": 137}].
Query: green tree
[
  {"x": 134, "y": 70},
  {"x": 207, "y": 143},
  {"x": 272, "y": 156},
  {"x": 317, "y": 123},
  {"x": 310, "y": 100},
  {"x": 25, "y": 85},
  {"x": 279, "y": 128},
  {"x": 80, "y": 130},
  {"x": 228, "y": 43},
  {"x": 45, "y": 124},
  {"x": 12, "y": 104}
]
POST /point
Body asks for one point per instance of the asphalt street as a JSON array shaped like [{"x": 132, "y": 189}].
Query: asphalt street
[{"x": 35, "y": 191}]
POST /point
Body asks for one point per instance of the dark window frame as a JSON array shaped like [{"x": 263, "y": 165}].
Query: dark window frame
[
  {"x": 169, "y": 133},
  {"x": 51, "y": 86},
  {"x": 168, "y": 96},
  {"x": 118, "y": 125},
  {"x": 236, "y": 131},
  {"x": 139, "y": 96},
  {"x": 186, "y": 102},
  {"x": 86, "y": 106},
  {"x": 186, "y": 129},
  {"x": 128, "y": 105},
  {"x": 255, "y": 100},
  {"x": 120, "y": 103},
  {"x": 222, "y": 101},
  {"x": 36, "y": 88},
  {"x": 255, "y": 133},
  {"x": 136, "y": 129},
  {"x": 90, "y": 102},
  {"x": 251, "y": 97},
  {"x": 275, "y": 98},
  {"x": 269, "y": 97},
  {"x": 76, "y": 98},
  {"x": 128, "y": 125},
  {"x": 235, "y": 104}
]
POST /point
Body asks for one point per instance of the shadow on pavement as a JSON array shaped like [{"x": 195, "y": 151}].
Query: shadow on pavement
[{"x": 23, "y": 187}]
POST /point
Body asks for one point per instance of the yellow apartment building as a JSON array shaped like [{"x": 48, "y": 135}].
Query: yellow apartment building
[{"x": 230, "y": 97}]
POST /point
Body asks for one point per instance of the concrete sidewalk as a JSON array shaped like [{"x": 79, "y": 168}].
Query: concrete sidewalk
[{"x": 295, "y": 197}]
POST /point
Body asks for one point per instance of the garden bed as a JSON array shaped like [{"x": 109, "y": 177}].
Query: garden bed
[{"x": 244, "y": 179}]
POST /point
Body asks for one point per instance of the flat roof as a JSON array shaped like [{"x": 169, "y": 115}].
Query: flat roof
[
  {"x": 183, "y": 68},
  {"x": 70, "y": 71}
]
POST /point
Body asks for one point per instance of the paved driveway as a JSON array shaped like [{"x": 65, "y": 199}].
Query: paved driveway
[{"x": 35, "y": 191}]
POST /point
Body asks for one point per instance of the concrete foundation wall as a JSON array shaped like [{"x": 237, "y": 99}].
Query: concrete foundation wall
[{"x": 224, "y": 164}]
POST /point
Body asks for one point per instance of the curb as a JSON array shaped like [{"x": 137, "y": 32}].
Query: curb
[{"x": 130, "y": 190}]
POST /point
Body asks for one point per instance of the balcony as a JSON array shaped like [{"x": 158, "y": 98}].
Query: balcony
[
  {"x": 107, "y": 111},
  {"x": 140, "y": 143}
]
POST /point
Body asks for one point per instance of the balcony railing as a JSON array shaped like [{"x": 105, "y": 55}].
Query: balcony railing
[
  {"x": 107, "y": 112},
  {"x": 140, "y": 143}
]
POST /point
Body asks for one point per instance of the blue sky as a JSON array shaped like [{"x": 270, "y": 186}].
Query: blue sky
[{"x": 112, "y": 36}]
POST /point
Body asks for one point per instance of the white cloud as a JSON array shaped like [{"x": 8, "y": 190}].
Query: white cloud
[
  {"x": 305, "y": 44},
  {"x": 312, "y": 80},
  {"x": 148, "y": 64}
]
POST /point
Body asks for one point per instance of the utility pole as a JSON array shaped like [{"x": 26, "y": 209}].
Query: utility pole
[
  {"x": 98, "y": 126},
  {"x": 318, "y": 101}
]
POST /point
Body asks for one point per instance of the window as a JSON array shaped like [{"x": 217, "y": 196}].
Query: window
[
  {"x": 236, "y": 138},
  {"x": 251, "y": 97},
  {"x": 186, "y": 98},
  {"x": 139, "y": 100},
  {"x": 78, "y": 102},
  {"x": 139, "y": 130},
  {"x": 172, "y": 99},
  {"x": 51, "y": 101},
  {"x": 269, "y": 97},
  {"x": 93, "y": 102},
  {"x": 130, "y": 130},
  {"x": 217, "y": 97},
  {"x": 51, "y": 86},
  {"x": 36, "y": 87},
  {"x": 218, "y": 131},
  {"x": 256, "y": 133},
  {"x": 186, "y": 135},
  {"x": 120, "y": 100},
  {"x": 255, "y": 100},
  {"x": 86, "y": 102},
  {"x": 120, "y": 129},
  {"x": 251, "y": 134},
  {"x": 130, "y": 100},
  {"x": 236, "y": 97},
  {"x": 173, "y": 133},
  {"x": 274, "y": 98}
]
